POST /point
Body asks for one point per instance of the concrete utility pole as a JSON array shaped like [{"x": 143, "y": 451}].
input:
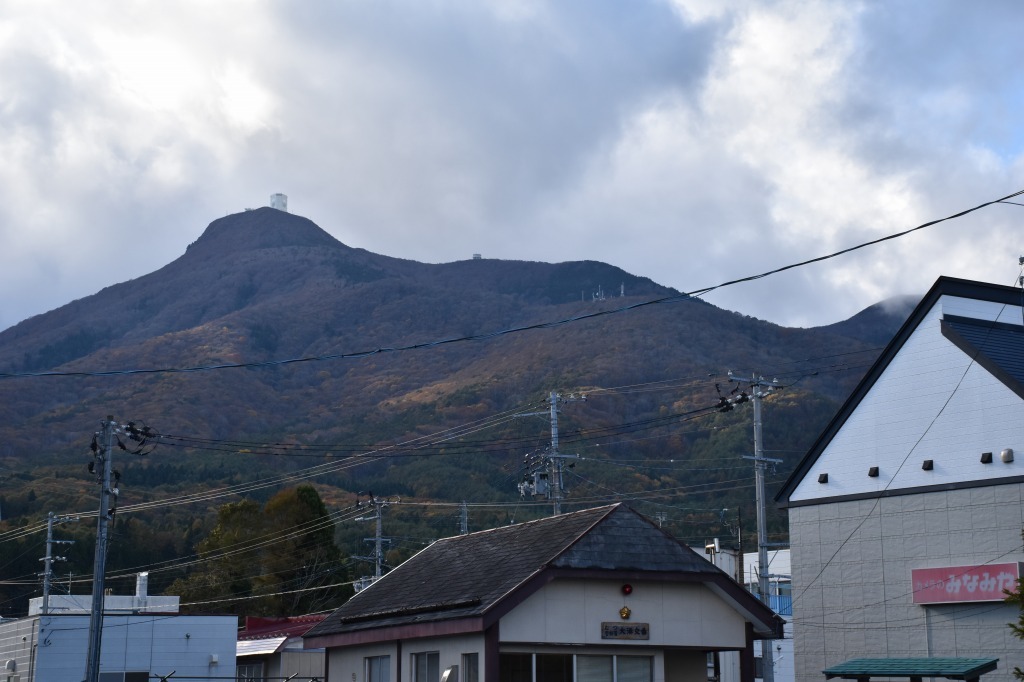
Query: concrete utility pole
[
  {"x": 553, "y": 459},
  {"x": 49, "y": 558},
  {"x": 103, "y": 456},
  {"x": 759, "y": 389},
  {"x": 378, "y": 539}
]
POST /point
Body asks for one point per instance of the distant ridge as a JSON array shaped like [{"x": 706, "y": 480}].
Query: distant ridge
[{"x": 877, "y": 323}]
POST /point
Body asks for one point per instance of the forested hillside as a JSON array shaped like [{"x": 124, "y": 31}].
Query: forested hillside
[{"x": 270, "y": 356}]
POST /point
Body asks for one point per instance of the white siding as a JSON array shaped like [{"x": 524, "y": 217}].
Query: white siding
[
  {"x": 678, "y": 615},
  {"x": 156, "y": 644},
  {"x": 931, "y": 402}
]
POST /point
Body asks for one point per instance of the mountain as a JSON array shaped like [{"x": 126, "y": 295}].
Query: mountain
[
  {"x": 346, "y": 352},
  {"x": 877, "y": 323}
]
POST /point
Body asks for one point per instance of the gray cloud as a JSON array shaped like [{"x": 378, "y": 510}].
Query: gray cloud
[{"x": 686, "y": 142}]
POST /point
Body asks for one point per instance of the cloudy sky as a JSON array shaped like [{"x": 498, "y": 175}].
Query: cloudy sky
[{"x": 689, "y": 141}]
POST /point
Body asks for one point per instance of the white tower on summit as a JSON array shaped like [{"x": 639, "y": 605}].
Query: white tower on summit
[{"x": 279, "y": 201}]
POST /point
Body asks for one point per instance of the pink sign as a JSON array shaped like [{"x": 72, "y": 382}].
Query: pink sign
[{"x": 964, "y": 583}]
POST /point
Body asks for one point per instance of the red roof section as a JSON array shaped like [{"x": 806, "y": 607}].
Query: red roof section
[{"x": 289, "y": 626}]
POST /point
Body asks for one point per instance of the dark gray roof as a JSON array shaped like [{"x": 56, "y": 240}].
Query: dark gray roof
[
  {"x": 944, "y": 286},
  {"x": 468, "y": 575},
  {"x": 996, "y": 346}
]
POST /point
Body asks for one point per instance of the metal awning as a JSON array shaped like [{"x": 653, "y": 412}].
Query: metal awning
[
  {"x": 259, "y": 647},
  {"x": 864, "y": 669}
]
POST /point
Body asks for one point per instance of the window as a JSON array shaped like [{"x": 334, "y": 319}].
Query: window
[
  {"x": 633, "y": 669},
  {"x": 470, "y": 667},
  {"x": 378, "y": 668},
  {"x": 554, "y": 668},
  {"x": 249, "y": 672},
  {"x": 128, "y": 676},
  {"x": 594, "y": 669},
  {"x": 426, "y": 667},
  {"x": 560, "y": 668},
  {"x": 515, "y": 668}
]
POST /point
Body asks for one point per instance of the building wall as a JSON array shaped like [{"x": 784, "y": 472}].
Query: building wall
[
  {"x": 18, "y": 643},
  {"x": 852, "y": 559},
  {"x": 852, "y": 591},
  {"x": 152, "y": 643},
  {"x": 346, "y": 664},
  {"x": 302, "y": 664},
  {"x": 678, "y": 615}
]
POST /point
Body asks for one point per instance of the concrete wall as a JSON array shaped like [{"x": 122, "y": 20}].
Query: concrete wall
[
  {"x": 678, "y": 615},
  {"x": 852, "y": 583}
]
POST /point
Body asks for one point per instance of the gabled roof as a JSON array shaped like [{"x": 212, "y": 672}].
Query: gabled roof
[
  {"x": 480, "y": 576},
  {"x": 994, "y": 346}
]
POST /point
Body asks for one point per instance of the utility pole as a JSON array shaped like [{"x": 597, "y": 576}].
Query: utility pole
[
  {"x": 378, "y": 539},
  {"x": 554, "y": 461},
  {"x": 759, "y": 389},
  {"x": 103, "y": 455},
  {"x": 102, "y": 450},
  {"x": 464, "y": 519},
  {"x": 48, "y": 560}
]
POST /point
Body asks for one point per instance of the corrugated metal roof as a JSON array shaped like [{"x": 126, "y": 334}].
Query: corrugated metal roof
[{"x": 259, "y": 647}]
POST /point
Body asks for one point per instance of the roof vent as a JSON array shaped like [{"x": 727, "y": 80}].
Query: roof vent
[
  {"x": 822, "y": 478},
  {"x": 927, "y": 465},
  {"x": 986, "y": 458},
  {"x": 873, "y": 472}
]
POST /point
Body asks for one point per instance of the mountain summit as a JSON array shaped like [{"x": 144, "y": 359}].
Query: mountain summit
[{"x": 261, "y": 228}]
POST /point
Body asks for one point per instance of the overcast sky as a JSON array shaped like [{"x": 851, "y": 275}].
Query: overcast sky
[{"x": 689, "y": 141}]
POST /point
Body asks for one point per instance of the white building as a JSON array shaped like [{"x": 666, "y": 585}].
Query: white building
[
  {"x": 781, "y": 600},
  {"x": 905, "y": 516},
  {"x": 600, "y": 595},
  {"x": 136, "y": 642}
]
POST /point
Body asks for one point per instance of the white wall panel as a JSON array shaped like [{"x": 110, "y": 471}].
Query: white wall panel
[
  {"x": 931, "y": 402},
  {"x": 678, "y": 615}
]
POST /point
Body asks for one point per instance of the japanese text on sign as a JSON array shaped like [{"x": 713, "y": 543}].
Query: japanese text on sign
[
  {"x": 625, "y": 630},
  {"x": 964, "y": 583}
]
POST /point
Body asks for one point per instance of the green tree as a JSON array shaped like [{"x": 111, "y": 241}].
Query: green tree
[
  {"x": 302, "y": 573},
  {"x": 278, "y": 560}
]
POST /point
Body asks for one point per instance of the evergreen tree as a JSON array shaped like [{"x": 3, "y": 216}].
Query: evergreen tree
[{"x": 278, "y": 560}]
